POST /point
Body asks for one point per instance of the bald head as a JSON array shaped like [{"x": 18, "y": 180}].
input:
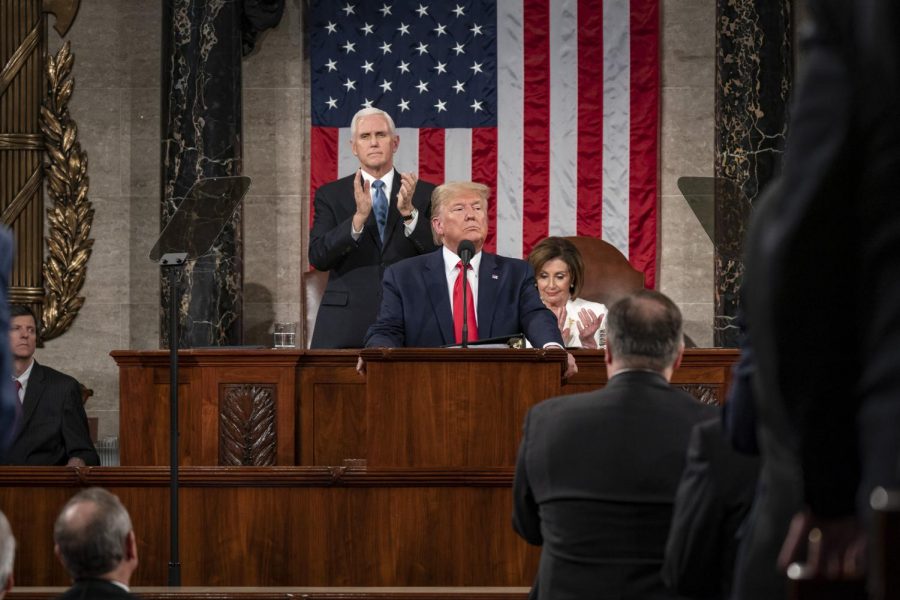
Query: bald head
[
  {"x": 93, "y": 534},
  {"x": 644, "y": 331},
  {"x": 7, "y": 555}
]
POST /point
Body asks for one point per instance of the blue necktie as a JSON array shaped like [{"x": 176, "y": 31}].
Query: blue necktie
[{"x": 380, "y": 204}]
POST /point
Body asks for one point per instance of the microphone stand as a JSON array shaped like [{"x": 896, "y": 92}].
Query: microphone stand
[
  {"x": 465, "y": 304},
  {"x": 466, "y": 251}
]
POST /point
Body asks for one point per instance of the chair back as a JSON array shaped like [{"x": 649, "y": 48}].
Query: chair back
[
  {"x": 608, "y": 275},
  {"x": 313, "y": 288}
]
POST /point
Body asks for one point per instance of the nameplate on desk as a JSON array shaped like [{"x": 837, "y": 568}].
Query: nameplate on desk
[{"x": 504, "y": 341}]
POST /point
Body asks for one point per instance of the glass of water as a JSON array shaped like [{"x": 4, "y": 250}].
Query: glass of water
[{"x": 285, "y": 335}]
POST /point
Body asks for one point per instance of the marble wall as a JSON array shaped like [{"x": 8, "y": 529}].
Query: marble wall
[
  {"x": 117, "y": 107},
  {"x": 275, "y": 149},
  {"x": 686, "y": 151}
]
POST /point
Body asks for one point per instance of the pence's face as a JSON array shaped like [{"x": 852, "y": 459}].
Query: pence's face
[{"x": 374, "y": 145}]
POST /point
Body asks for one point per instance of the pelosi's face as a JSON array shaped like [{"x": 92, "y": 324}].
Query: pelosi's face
[{"x": 554, "y": 280}]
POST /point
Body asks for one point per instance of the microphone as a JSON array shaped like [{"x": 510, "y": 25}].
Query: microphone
[{"x": 465, "y": 250}]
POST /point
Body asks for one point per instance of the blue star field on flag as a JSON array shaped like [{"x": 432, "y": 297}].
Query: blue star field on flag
[{"x": 426, "y": 64}]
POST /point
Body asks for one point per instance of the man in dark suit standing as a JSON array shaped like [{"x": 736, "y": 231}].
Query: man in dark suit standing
[
  {"x": 421, "y": 305},
  {"x": 363, "y": 223},
  {"x": 822, "y": 249},
  {"x": 597, "y": 472},
  {"x": 95, "y": 542},
  {"x": 54, "y": 428}
]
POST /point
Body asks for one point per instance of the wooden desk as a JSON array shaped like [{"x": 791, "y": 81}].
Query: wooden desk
[{"x": 415, "y": 407}]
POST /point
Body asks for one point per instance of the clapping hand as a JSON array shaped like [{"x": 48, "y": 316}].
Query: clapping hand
[
  {"x": 363, "y": 198},
  {"x": 588, "y": 323},
  {"x": 405, "y": 195}
]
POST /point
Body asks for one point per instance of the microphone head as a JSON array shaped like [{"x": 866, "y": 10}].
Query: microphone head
[{"x": 466, "y": 250}]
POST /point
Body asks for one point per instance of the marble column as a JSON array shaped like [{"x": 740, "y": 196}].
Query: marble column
[
  {"x": 201, "y": 137},
  {"x": 753, "y": 81}
]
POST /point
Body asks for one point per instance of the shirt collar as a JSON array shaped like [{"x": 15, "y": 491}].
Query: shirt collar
[
  {"x": 451, "y": 260},
  {"x": 387, "y": 178},
  {"x": 23, "y": 378}
]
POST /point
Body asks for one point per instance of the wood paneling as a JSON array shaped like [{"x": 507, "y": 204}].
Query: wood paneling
[
  {"x": 414, "y": 407},
  {"x": 446, "y": 408},
  {"x": 294, "y": 526}
]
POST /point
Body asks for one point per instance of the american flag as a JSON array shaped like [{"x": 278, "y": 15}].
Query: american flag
[{"x": 551, "y": 103}]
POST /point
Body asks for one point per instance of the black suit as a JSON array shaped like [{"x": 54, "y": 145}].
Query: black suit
[
  {"x": 355, "y": 267},
  {"x": 95, "y": 589},
  {"x": 595, "y": 481},
  {"x": 822, "y": 250},
  {"x": 54, "y": 424},
  {"x": 713, "y": 499}
]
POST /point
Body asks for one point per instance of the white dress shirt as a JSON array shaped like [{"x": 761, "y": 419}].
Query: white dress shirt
[
  {"x": 451, "y": 273},
  {"x": 23, "y": 381}
]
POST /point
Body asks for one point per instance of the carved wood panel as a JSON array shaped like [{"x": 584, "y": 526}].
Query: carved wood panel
[
  {"x": 707, "y": 394},
  {"x": 247, "y": 435}
]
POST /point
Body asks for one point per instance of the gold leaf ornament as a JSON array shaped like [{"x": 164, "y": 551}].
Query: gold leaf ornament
[{"x": 71, "y": 216}]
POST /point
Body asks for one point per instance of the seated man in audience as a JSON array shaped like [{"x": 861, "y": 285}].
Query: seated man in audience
[
  {"x": 7, "y": 556},
  {"x": 54, "y": 427},
  {"x": 95, "y": 542},
  {"x": 422, "y": 296},
  {"x": 597, "y": 472}
]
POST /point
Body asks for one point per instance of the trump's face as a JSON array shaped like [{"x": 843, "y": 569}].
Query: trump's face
[
  {"x": 374, "y": 145},
  {"x": 463, "y": 217}
]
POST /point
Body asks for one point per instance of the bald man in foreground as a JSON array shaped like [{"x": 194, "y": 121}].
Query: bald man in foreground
[
  {"x": 7, "y": 556},
  {"x": 95, "y": 542}
]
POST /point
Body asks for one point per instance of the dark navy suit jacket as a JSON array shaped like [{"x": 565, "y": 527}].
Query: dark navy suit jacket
[
  {"x": 416, "y": 312},
  {"x": 596, "y": 477},
  {"x": 355, "y": 267},
  {"x": 54, "y": 425}
]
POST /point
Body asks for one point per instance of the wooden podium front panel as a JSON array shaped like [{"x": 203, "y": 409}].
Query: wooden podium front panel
[
  {"x": 332, "y": 411},
  {"x": 233, "y": 405},
  {"x": 453, "y": 408},
  {"x": 415, "y": 407},
  {"x": 705, "y": 373}
]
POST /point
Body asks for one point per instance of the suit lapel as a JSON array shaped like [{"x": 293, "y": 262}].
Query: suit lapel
[
  {"x": 393, "y": 214},
  {"x": 33, "y": 392},
  {"x": 489, "y": 280},
  {"x": 436, "y": 285},
  {"x": 370, "y": 228}
]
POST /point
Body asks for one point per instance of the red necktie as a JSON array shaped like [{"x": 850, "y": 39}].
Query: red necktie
[
  {"x": 457, "y": 307},
  {"x": 18, "y": 388}
]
